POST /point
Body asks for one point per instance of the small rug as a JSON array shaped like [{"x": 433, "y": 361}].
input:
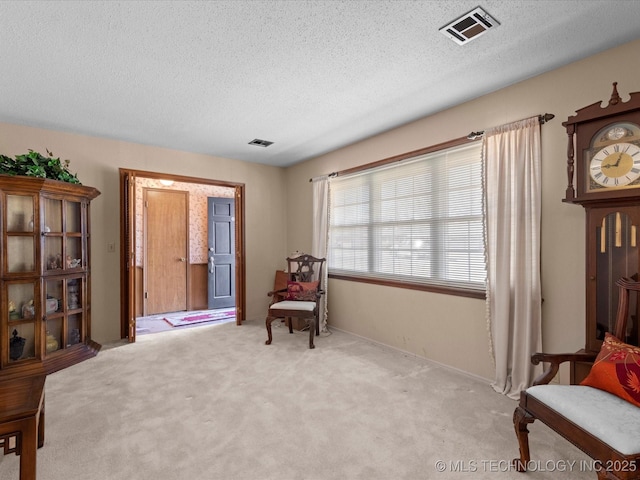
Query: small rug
[{"x": 189, "y": 318}]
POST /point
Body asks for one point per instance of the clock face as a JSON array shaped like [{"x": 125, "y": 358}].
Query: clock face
[{"x": 616, "y": 165}]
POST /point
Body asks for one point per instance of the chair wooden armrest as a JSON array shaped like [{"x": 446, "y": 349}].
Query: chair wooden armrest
[
  {"x": 554, "y": 360},
  {"x": 274, "y": 292},
  {"x": 277, "y": 295}
]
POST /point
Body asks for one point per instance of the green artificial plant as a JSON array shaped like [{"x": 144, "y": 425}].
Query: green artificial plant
[{"x": 34, "y": 164}]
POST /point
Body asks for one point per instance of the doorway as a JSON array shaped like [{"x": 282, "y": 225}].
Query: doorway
[{"x": 132, "y": 274}]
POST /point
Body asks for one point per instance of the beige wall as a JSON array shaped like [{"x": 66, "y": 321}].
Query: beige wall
[
  {"x": 97, "y": 160},
  {"x": 448, "y": 329}
]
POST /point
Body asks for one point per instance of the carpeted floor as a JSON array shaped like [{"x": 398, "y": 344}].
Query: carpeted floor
[{"x": 215, "y": 402}]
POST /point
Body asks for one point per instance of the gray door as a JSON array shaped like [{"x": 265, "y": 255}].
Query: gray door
[{"x": 222, "y": 264}]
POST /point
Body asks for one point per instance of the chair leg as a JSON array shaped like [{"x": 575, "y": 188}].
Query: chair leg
[
  {"x": 520, "y": 421},
  {"x": 41, "y": 426},
  {"x": 312, "y": 330},
  {"x": 268, "y": 322}
]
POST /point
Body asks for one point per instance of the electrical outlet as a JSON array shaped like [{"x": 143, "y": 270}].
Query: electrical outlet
[{"x": 111, "y": 247}]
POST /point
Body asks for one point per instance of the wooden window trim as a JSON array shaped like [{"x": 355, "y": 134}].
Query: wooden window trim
[{"x": 460, "y": 292}]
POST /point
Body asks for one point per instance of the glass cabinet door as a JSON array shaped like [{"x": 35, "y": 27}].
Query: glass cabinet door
[
  {"x": 613, "y": 254},
  {"x": 54, "y": 314},
  {"x": 20, "y": 254},
  {"x": 73, "y": 217},
  {"x": 73, "y": 330},
  {"x": 52, "y": 233},
  {"x": 22, "y": 315},
  {"x": 73, "y": 235},
  {"x": 63, "y": 254},
  {"x": 62, "y": 231},
  {"x": 64, "y": 312}
]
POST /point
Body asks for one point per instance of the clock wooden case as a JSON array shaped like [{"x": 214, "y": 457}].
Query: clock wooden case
[
  {"x": 606, "y": 155},
  {"x": 45, "y": 278},
  {"x": 603, "y": 172}
]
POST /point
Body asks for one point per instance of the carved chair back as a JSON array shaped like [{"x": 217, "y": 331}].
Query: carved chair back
[
  {"x": 305, "y": 268},
  {"x": 625, "y": 286}
]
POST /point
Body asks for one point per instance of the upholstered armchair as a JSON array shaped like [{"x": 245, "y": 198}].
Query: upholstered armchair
[{"x": 601, "y": 416}]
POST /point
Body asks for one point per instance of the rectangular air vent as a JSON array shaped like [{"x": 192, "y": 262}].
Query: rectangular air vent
[
  {"x": 260, "y": 143},
  {"x": 469, "y": 26}
]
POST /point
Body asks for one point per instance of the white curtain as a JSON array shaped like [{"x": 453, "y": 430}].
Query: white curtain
[
  {"x": 321, "y": 237},
  {"x": 511, "y": 155}
]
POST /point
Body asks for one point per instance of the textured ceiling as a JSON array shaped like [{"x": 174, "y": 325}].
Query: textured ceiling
[{"x": 310, "y": 76}]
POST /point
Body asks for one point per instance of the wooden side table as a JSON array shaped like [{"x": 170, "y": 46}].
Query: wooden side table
[{"x": 22, "y": 416}]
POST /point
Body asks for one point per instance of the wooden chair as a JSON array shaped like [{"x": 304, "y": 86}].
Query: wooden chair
[
  {"x": 22, "y": 420},
  {"x": 303, "y": 293},
  {"x": 604, "y": 426}
]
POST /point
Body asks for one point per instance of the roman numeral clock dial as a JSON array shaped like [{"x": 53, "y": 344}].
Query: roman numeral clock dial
[{"x": 616, "y": 165}]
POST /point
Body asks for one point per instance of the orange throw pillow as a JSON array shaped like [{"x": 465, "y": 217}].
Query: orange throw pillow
[
  {"x": 617, "y": 370},
  {"x": 305, "y": 291}
]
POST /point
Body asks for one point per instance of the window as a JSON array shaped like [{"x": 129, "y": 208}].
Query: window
[{"x": 416, "y": 222}]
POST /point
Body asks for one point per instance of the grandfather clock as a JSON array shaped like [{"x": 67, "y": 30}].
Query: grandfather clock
[{"x": 603, "y": 170}]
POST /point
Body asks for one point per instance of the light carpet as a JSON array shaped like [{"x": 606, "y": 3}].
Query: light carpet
[
  {"x": 181, "y": 319},
  {"x": 215, "y": 402}
]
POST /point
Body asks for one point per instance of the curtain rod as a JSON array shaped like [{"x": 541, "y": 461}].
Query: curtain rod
[
  {"x": 543, "y": 119},
  {"x": 331, "y": 175},
  {"x": 472, "y": 136}
]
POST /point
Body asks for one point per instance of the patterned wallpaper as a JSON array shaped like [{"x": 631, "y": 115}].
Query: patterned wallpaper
[{"x": 198, "y": 195}]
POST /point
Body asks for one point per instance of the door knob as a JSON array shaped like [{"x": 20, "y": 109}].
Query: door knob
[{"x": 182, "y": 259}]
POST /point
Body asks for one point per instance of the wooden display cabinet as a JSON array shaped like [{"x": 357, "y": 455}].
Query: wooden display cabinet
[{"x": 45, "y": 317}]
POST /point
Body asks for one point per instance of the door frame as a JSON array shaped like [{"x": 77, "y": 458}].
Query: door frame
[{"x": 128, "y": 247}]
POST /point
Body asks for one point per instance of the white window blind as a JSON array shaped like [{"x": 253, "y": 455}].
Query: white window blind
[{"x": 418, "y": 221}]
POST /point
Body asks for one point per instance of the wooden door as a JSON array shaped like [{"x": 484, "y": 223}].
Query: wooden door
[
  {"x": 165, "y": 256},
  {"x": 221, "y": 253}
]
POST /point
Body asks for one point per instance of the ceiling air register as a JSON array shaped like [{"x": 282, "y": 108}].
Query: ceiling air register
[{"x": 469, "y": 26}]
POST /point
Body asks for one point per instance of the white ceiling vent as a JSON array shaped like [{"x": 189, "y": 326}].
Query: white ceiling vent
[
  {"x": 260, "y": 143},
  {"x": 469, "y": 26}
]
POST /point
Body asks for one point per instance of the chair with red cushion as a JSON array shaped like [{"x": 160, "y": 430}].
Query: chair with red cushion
[
  {"x": 601, "y": 416},
  {"x": 302, "y": 295}
]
